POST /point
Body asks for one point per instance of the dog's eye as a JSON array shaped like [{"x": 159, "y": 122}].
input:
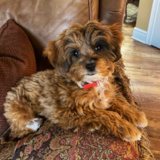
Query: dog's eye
[
  {"x": 76, "y": 53},
  {"x": 97, "y": 48}
]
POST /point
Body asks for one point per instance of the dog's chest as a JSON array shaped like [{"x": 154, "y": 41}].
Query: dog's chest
[{"x": 66, "y": 94}]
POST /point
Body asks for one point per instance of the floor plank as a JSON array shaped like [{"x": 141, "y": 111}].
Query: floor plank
[{"x": 143, "y": 68}]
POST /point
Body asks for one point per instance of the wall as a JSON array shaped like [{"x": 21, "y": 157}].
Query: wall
[{"x": 144, "y": 14}]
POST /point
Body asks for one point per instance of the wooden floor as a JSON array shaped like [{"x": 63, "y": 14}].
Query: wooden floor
[{"x": 143, "y": 68}]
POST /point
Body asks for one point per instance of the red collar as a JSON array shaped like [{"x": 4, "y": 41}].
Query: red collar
[
  {"x": 86, "y": 86},
  {"x": 89, "y": 85}
]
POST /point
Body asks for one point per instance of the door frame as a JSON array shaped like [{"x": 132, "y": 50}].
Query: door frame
[{"x": 152, "y": 21}]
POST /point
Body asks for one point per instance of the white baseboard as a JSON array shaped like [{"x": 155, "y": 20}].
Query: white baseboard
[{"x": 139, "y": 35}]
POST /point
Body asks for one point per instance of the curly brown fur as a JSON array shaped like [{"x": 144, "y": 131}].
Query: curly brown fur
[{"x": 82, "y": 54}]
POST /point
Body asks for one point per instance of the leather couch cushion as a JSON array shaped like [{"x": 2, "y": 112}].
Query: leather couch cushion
[
  {"x": 44, "y": 20},
  {"x": 17, "y": 60},
  {"x": 112, "y": 11}
]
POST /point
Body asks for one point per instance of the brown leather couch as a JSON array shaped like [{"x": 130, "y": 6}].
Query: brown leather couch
[{"x": 43, "y": 20}]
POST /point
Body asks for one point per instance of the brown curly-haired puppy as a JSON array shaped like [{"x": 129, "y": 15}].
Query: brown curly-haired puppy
[{"x": 82, "y": 91}]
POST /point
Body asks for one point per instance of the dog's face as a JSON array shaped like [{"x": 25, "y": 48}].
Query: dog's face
[{"x": 86, "y": 53}]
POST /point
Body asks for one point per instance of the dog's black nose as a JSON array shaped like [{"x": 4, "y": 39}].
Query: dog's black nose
[{"x": 91, "y": 66}]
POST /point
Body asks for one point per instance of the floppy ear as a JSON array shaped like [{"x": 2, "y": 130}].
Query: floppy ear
[
  {"x": 50, "y": 52},
  {"x": 56, "y": 58},
  {"x": 117, "y": 38}
]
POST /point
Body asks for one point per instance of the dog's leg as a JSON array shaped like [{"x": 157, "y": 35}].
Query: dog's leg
[
  {"x": 106, "y": 121},
  {"x": 123, "y": 81},
  {"x": 129, "y": 112},
  {"x": 20, "y": 116}
]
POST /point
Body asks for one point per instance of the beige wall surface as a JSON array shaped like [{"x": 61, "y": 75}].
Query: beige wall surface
[{"x": 144, "y": 12}]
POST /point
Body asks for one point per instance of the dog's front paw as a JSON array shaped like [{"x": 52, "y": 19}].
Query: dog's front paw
[
  {"x": 34, "y": 124},
  {"x": 130, "y": 133},
  {"x": 134, "y": 135},
  {"x": 141, "y": 120}
]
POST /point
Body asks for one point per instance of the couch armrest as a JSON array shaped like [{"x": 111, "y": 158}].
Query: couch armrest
[{"x": 112, "y": 11}]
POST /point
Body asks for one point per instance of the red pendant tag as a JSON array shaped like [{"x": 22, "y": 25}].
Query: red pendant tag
[{"x": 86, "y": 86}]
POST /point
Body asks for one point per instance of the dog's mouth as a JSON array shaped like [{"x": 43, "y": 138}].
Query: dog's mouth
[
  {"x": 84, "y": 83},
  {"x": 90, "y": 74}
]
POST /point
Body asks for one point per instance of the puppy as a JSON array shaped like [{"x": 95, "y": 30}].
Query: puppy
[{"x": 82, "y": 91}]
